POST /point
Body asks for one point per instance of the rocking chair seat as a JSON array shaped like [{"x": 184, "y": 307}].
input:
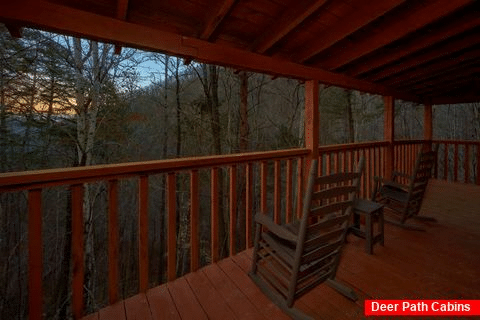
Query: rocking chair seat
[{"x": 393, "y": 193}]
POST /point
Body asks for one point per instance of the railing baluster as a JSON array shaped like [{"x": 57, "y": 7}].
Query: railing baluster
[
  {"x": 288, "y": 191},
  {"x": 320, "y": 164},
  {"x": 478, "y": 164},
  {"x": 113, "y": 239},
  {"x": 362, "y": 180},
  {"x": 335, "y": 161},
  {"x": 384, "y": 159},
  {"x": 263, "y": 186},
  {"x": 171, "y": 227},
  {"x": 445, "y": 162},
  {"x": 372, "y": 171},
  {"x": 366, "y": 175},
  {"x": 350, "y": 162},
  {"x": 328, "y": 164},
  {"x": 455, "y": 162},
  {"x": 143, "y": 233},
  {"x": 77, "y": 250},
  {"x": 249, "y": 205},
  {"x": 233, "y": 209},
  {"x": 466, "y": 163},
  {"x": 299, "y": 187},
  {"x": 214, "y": 214},
  {"x": 277, "y": 197},
  {"x": 35, "y": 259},
  {"x": 194, "y": 209}
]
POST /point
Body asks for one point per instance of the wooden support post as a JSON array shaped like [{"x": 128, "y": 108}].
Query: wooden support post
[
  {"x": 389, "y": 133},
  {"x": 311, "y": 121},
  {"x": 427, "y": 126}
]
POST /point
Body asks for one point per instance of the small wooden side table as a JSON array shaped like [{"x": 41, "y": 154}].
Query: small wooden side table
[{"x": 373, "y": 212}]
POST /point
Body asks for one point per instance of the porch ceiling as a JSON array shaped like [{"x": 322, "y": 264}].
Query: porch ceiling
[{"x": 418, "y": 50}]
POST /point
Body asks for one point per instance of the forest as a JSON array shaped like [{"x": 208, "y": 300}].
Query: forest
[{"x": 70, "y": 102}]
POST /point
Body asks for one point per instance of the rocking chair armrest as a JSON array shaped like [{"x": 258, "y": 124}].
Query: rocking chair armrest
[
  {"x": 400, "y": 174},
  {"x": 395, "y": 185},
  {"x": 380, "y": 181},
  {"x": 278, "y": 230}
]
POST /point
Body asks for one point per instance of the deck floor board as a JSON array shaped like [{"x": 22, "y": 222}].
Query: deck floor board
[{"x": 441, "y": 263}]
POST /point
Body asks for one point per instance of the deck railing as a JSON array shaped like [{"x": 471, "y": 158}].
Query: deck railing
[
  {"x": 271, "y": 179},
  {"x": 256, "y": 164},
  {"x": 458, "y": 161}
]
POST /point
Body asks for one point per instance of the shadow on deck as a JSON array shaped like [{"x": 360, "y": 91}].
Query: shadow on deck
[{"x": 442, "y": 263}]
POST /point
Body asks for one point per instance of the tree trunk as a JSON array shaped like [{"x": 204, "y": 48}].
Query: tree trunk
[
  {"x": 350, "y": 122},
  {"x": 213, "y": 107},
  {"x": 179, "y": 108},
  {"x": 242, "y": 147}
]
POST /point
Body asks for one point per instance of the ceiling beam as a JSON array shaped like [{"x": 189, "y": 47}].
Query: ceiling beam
[
  {"x": 466, "y": 91},
  {"x": 122, "y": 9},
  {"x": 291, "y": 18},
  {"x": 429, "y": 69},
  {"x": 216, "y": 19},
  {"x": 443, "y": 32},
  {"x": 14, "y": 30},
  {"x": 471, "y": 98},
  {"x": 436, "y": 73},
  {"x": 437, "y": 82},
  {"x": 394, "y": 30},
  {"x": 441, "y": 88},
  {"x": 435, "y": 53},
  {"x": 55, "y": 17},
  {"x": 347, "y": 25}
]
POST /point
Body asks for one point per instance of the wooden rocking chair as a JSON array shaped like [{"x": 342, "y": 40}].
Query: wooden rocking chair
[
  {"x": 291, "y": 259},
  {"x": 405, "y": 200}
]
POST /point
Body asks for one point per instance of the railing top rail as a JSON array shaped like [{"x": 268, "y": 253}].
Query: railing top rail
[
  {"x": 457, "y": 141},
  {"x": 12, "y": 181},
  {"x": 409, "y": 141},
  {"x": 352, "y": 146}
]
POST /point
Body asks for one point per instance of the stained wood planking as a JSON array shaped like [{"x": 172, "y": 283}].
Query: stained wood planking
[
  {"x": 138, "y": 308},
  {"x": 161, "y": 304},
  {"x": 250, "y": 290},
  {"x": 92, "y": 316},
  {"x": 236, "y": 300},
  {"x": 188, "y": 305},
  {"x": 213, "y": 303},
  {"x": 113, "y": 312}
]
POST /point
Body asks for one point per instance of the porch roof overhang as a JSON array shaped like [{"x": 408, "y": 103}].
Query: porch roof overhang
[{"x": 423, "y": 51}]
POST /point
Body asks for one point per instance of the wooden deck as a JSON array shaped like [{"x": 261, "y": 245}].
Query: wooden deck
[{"x": 442, "y": 263}]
